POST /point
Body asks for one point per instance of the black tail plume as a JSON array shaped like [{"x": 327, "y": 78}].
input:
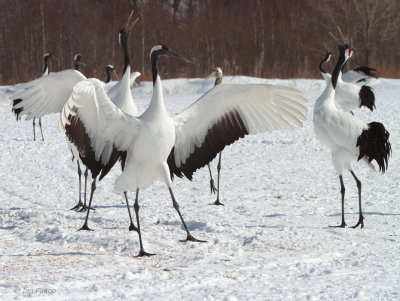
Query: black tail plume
[
  {"x": 374, "y": 144},
  {"x": 17, "y": 111},
  {"x": 367, "y": 97}
]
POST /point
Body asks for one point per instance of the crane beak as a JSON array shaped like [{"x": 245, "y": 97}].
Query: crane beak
[
  {"x": 212, "y": 74},
  {"x": 177, "y": 55},
  {"x": 115, "y": 73},
  {"x": 130, "y": 26}
]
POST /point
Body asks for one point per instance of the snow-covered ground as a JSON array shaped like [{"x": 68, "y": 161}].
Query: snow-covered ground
[{"x": 269, "y": 241}]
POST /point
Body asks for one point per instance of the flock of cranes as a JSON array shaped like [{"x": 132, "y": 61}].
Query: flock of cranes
[{"x": 103, "y": 128}]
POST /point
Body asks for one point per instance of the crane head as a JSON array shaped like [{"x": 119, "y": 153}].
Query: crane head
[
  {"x": 217, "y": 73},
  {"x": 78, "y": 60},
  {"x": 125, "y": 32},
  {"x": 161, "y": 49}
]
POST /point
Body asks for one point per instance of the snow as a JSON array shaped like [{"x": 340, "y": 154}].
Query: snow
[{"x": 271, "y": 240}]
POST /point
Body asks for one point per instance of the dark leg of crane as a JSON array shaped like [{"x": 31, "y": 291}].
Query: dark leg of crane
[
  {"x": 85, "y": 207},
  {"x": 34, "y": 135},
  {"x": 80, "y": 204},
  {"x": 86, "y": 175},
  {"x": 361, "y": 217},
  {"x": 342, "y": 191},
  {"x": 40, "y": 125},
  {"x": 93, "y": 188},
  {"x": 136, "y": 206},
  {"x": 176, "y": 206},
  {"x": 217, "y": 202},
  {"x": 212, "y": 186},
  {"x": 132, "y": 227}
]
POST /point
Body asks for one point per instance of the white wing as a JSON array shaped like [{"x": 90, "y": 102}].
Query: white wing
[
  {"x": 46, "y": 94},
  {"x": 94, "y": 124},
  {"x": 121, "y": 95},
  {"x": 227, "y": 113}
]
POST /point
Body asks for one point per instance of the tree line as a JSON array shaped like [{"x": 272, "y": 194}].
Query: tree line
[{"x": 270, "y": 39}]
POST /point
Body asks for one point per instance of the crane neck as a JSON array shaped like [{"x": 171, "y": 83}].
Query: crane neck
[
  {"x": 124, "y": 45},
  {"x": 157, "y": 105},
  {"x": 108, "y": 76},
  {"x": 321, "y": 65},
  {"x": 76, "y": 65},
  {"x": 218, "y": 81},
  {"x": 338, "y": 69},
  {"x": 154, "y": 69}
]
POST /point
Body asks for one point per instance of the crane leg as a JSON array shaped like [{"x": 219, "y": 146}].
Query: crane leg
[
  {"x": 85, "y": 207},
  {"x": 40, "y": 125},
  {"x": 217, "y": 202},
  {"x": 132, "y": 227},
  {"x": 34, "y": 135},
  {"x": 93, "y": 188},
  {"x": 176, "y": 206},
  {"x": 361, "y": 217},
  {"x": 342, "y": 191},
  {"x": 212, "y": 186},
  {"x": 80, "y": 204},
  {"x": 136, "y": 206}
]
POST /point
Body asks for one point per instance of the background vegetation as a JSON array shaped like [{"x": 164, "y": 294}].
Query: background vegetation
[{"x": 274, "y": 38}]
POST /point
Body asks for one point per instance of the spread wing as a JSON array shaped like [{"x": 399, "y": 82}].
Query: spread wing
[
  {"x": 227, "y": 113},
  {"x": 94, "y": 124},
  {"x": 47, "y": 94}
]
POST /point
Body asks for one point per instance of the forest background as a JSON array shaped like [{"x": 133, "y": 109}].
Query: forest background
[{"x": 269, "y": 39}]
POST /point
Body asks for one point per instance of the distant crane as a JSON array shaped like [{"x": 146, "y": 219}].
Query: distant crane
[
  {"x": 109, "y": 68},
  {"x": 218, "y": 74},
  {"x": 46, "y": 57},
  {"x": 41, "y": 107},
  {"x": 348, "y": 137}
]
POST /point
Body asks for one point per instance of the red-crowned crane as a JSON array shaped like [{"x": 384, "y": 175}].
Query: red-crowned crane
[
  {"x": 158, "y": 146},
  {"x": 349, "y": 138}
]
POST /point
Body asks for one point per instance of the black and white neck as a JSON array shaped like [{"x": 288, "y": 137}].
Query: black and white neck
[
  {"x": 109, "y": 68},
  {"x": 155, "y": 52},
  {"x": 123, "y": 40},
  {"x": 345, "y": 53},
  {"x": 326, "y": 59},
  {"x": 159, "y": 50}
]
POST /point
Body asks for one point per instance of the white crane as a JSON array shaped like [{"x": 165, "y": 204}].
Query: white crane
[
  {"x": 349, "y": 95},
  {"x": 218, "y": 74},
  {"x": 158, "y": 146},
  {"x": 46, "y": 57},
  {"x": 349, "y": 138}
]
